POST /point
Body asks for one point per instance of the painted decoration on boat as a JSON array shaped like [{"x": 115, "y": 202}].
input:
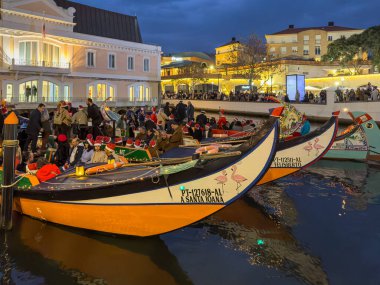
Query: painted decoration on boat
[
  {"x": 290, "y": 121},
  {"x": 356, "y": 142}
]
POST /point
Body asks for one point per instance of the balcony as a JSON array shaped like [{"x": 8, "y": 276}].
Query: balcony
[{"x": 36, "y": 66}]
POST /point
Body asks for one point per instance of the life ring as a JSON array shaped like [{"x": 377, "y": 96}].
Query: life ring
[
  {"x": 210, "y": 149},
  {"x": 103, "y": 168}
]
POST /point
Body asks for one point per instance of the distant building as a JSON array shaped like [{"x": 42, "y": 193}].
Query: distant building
[
  {"x": 308, "y": 43},
  {"x": 54, "y": 50},
  {"x": 227, "y": 54},
  {"x": 187, "y": 72}
]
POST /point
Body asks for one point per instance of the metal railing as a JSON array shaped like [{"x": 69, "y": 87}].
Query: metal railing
[{"x": 39, "y": 63}]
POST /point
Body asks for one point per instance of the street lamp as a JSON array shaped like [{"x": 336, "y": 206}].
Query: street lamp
[{"x": 271, "y": 83}]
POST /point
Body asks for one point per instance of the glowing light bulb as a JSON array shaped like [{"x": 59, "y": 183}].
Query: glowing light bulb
[{"x": 182, "y": 188}]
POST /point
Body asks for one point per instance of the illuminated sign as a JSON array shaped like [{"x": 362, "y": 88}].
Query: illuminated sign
[{"x": 295, "y": 83}]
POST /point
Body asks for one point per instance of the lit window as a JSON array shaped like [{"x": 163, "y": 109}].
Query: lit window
[
  {"x": 131, "y": 94},
  {"x": 294, "y": 49},
  {"x": 147, "y": 94},
  {"x": 28, "y": 53},
  {"x": 66, "y": 93},
  {"x": 318, "y": 39},
  {"x": 28, "y": 91},
  {"x": 101, "y": 91},
  {"x": 305, "y": 39},
  {"x": 9, "y": 94},
  {"x": 141, "y": 94},
  {"x": 50, "y": 92},
  {"x": 90, "y": 59},
  {"x": 51, "y": 55},
  {"x": 305, "y": 50},
  {"x": 146, "y": 65},
  {"x": 111, "y": 61},
  {"x": 283, "y": 50}
]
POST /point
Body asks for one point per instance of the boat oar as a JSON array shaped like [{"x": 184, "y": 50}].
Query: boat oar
[{"x": 212, "y": 143}]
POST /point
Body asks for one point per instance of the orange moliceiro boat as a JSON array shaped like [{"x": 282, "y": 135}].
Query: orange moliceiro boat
[
  {"x": 146, "y": 201},
  {"x": 302, "y": 152}
]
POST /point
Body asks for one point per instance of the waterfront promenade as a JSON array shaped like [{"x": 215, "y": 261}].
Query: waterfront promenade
[{"x": 315, "y": 112}]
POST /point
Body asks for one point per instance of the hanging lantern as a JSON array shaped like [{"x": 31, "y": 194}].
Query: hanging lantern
[
  {"x": 111, "y": 161},
  {"x": 79, "y": 171}
]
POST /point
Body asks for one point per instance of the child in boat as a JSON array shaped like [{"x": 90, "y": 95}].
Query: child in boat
[
  {"x": 111, "y": 155},
  {"x": 87, "y": 152},
  {"x": 99, "y": 156},
  {"x": 28, "y": 159}
]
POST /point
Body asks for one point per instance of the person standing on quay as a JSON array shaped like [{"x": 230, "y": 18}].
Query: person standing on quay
[
  {"x": 34, "y": 127},
  {"x": 94, "y": 114}
]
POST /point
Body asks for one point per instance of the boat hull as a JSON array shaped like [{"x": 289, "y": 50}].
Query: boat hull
[
  {"x": 301, "y": 152},
  {"x": 130, "y": 209},
  {"x": 136, "y": 220}
]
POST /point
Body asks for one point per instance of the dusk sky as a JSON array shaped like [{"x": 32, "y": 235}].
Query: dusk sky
[{"x": 202, "y": 25}]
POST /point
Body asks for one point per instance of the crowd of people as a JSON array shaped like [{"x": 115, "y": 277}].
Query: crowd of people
[
  {"x": 54, "y": 142},
  {"x": 365, "y": 93},
  {"x": 247, "y": 96}
]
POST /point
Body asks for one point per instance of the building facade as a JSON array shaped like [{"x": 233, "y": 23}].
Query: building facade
[
  {"x": 54, "y": 50},
  {"x": 308, "y": 43}
]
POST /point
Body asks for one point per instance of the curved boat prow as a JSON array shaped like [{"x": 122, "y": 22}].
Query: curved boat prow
[
  {"x": 302, "y": 152},
  {"x": 371, "y": 130}
]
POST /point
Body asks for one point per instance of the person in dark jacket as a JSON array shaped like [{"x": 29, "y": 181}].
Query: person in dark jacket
[
  {"x": 75, "y": 155},
  {"x": 190, "y": 111},
  {"x": 63, "y": 150},
  {"x": 202, "y": 119},
  {"x": 180, "y": 111},
  {"x": 167, "y": 109},
  {"x": 96, "y": 117},
  {"x": 34, "y": 127}
]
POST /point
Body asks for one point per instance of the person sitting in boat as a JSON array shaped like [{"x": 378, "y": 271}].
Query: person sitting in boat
[
  {"x": 305, "y": 128},
  {"x": 112, "y": 156},
  {"x": 99, "y": 156},
  {"x": 201, "y": 118},
  {"x": 76, "y": 152},
  {"x": 142, "y": 134},
  {"x": 87, "y": 152},
  {"x": 118, "y": 141},
  {"x": 46, "y": 170},
  {"x": 63, "y": 150},
  {"x": 175, "y": 139},
  {"x": 153, "y": 149},
  {"x": 222, "y": 119},
  {"x": 198, "y": 132},
  {"x": 162, "y": 141},
  {"x": 149, "y": 135},
  {"x": 137, "y": 144},
  {"x": 149, "y": 124},
  {"x": 129, "y": 143},
  {"x": 28, "y": 159}
]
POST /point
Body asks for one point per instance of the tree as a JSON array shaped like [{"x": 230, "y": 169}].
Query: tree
[
  {"x": 195, "y": 71},
  {"x": 348, "y": 52},
  {"x": 253, "y": 61}
]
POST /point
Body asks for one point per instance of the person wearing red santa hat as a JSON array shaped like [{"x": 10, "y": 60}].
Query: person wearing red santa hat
[
  {"x": 198, "y": 132},
  {"x": 153, "y": 116},
  {"x": 152, "y": 148},
  {"x": 118, "y": 141},
  {"x": 111, "y": 155},
  {"x": 222, "y": 119},
  {"x": 137, "y": 144},
  {"x": 99, "y": 156},
  {"x": 129, "y": 143}
]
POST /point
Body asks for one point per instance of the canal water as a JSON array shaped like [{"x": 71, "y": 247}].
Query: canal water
[{"x": 320, "y": 226}]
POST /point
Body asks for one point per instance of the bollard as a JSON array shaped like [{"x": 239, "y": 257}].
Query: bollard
[{"x": 10, "y": 145}]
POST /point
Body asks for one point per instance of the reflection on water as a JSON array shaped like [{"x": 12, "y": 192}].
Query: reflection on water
[{"x": 309, "y": 228}]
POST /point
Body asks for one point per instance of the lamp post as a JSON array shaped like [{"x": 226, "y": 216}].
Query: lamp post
[{"x": 271, "y": 83}]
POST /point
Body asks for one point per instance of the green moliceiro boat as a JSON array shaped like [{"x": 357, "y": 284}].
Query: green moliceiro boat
[{"x": 360, "y": 141}]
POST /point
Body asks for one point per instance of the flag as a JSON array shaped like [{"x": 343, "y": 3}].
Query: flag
[{"x": 44, "y": 30}]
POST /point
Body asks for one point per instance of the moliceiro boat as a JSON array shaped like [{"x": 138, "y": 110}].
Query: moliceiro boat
[
  {"x": 301, "y": 152},
  {"x": 151, "y": 200},
  {"x": 360, "y": 141}
]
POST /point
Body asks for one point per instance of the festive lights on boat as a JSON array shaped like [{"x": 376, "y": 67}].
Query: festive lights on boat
[{"x": 182, "y": 188}]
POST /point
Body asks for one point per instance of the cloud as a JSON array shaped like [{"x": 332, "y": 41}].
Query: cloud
[{"x": 202, "y": 25}]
